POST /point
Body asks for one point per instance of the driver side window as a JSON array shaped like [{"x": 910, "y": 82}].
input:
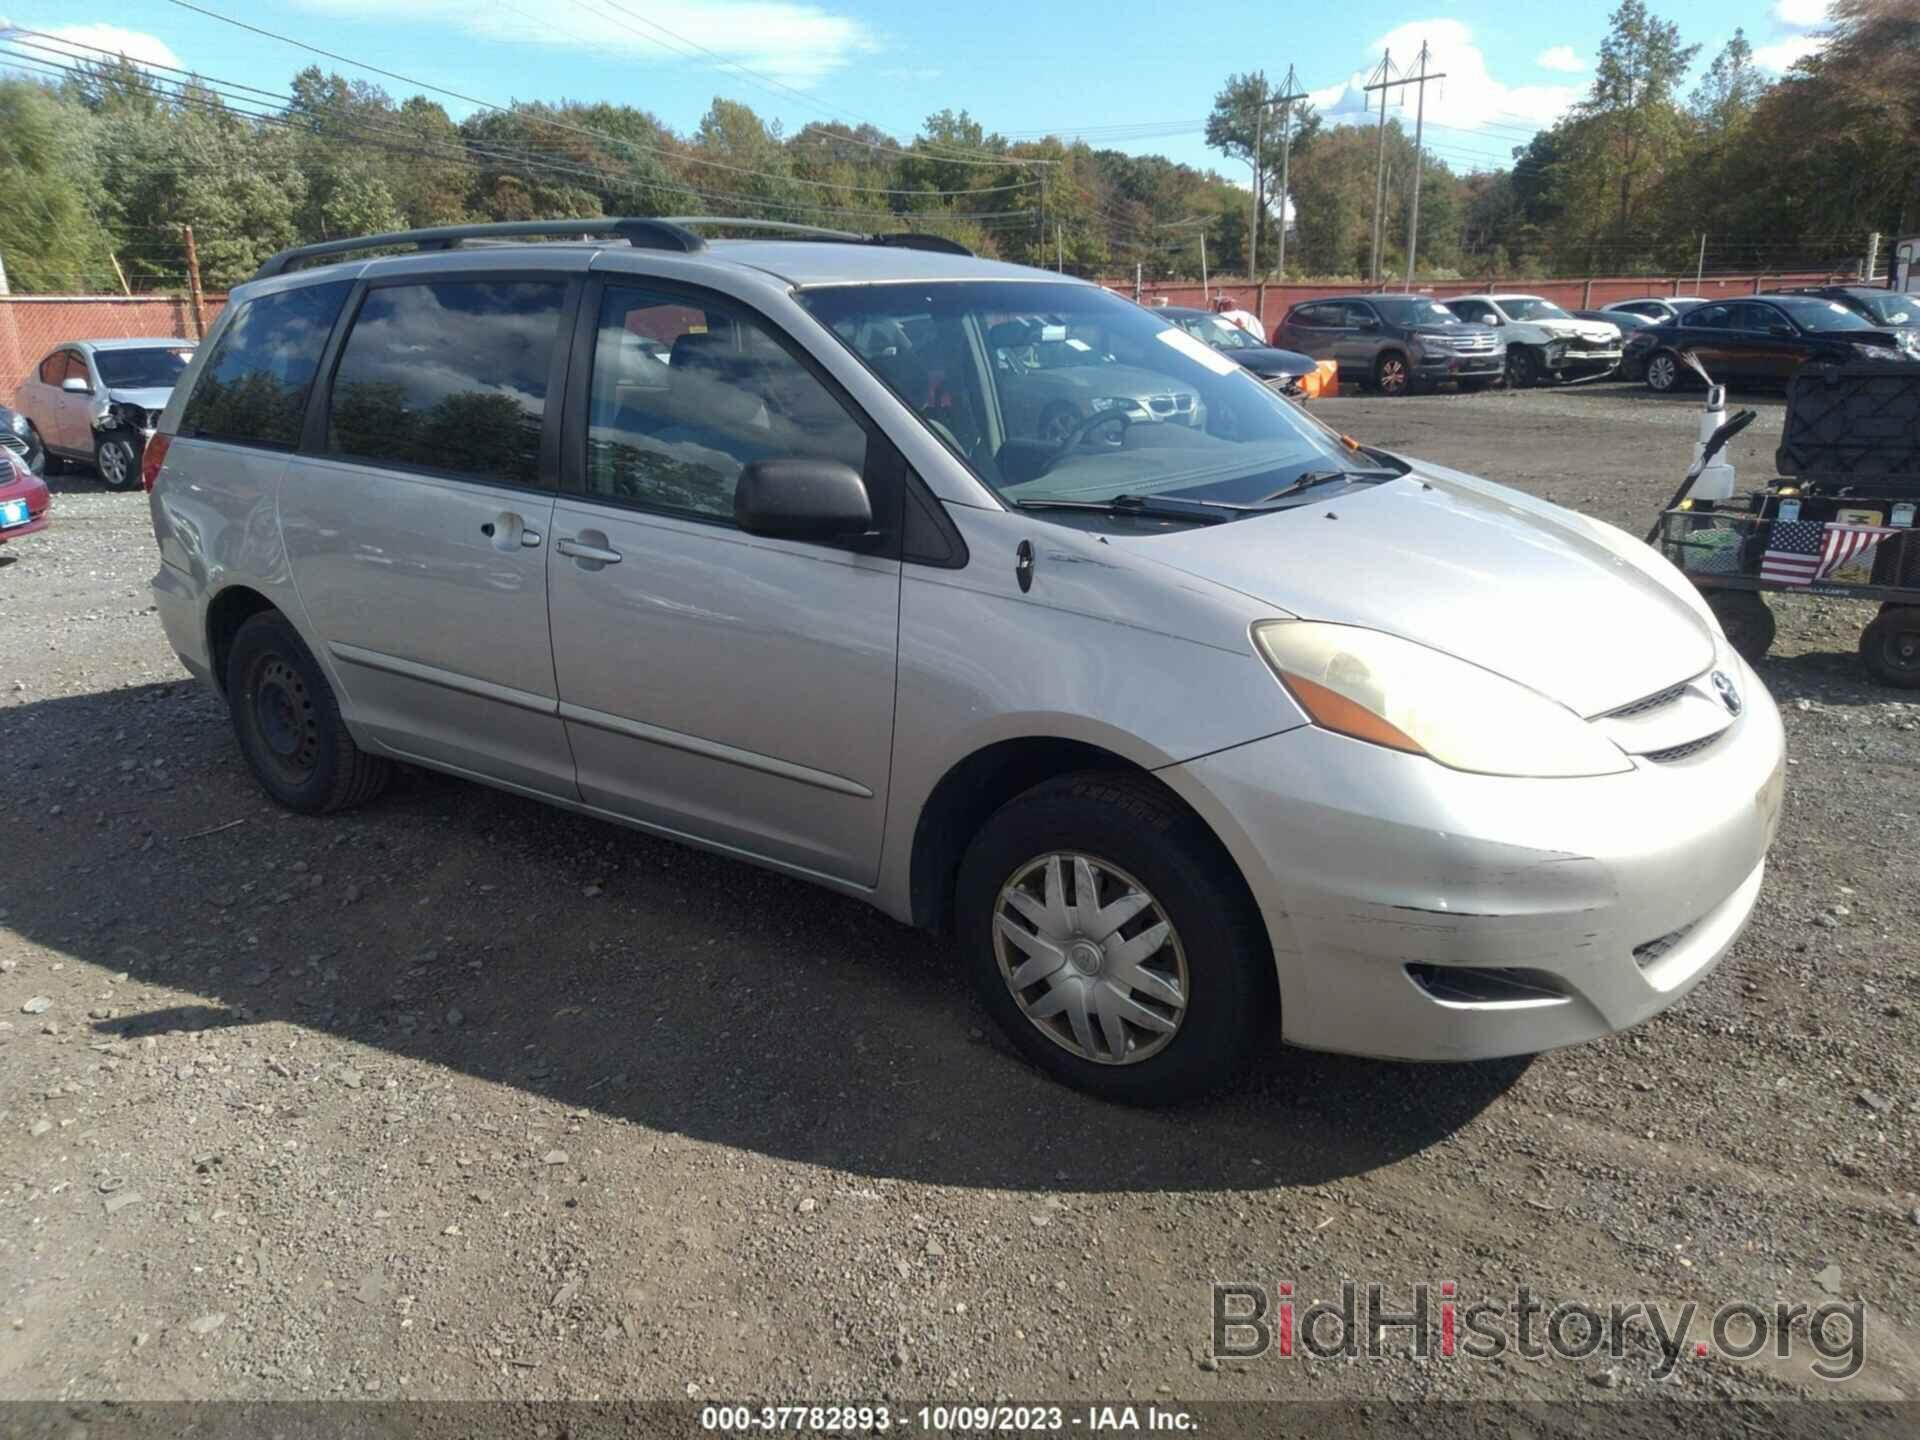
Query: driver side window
[{"x": 685, "y": 397}]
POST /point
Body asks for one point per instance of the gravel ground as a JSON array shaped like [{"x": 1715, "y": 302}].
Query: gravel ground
[{"x": 459, "y": 1096}]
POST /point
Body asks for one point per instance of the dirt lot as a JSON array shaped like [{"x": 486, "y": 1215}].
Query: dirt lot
[{"x": 462, "y": 1097}]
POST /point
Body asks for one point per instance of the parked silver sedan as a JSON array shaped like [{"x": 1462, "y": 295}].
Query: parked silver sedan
[
  {"x": 95, "y": 402},
  {"x": 1185, "y": 730}
]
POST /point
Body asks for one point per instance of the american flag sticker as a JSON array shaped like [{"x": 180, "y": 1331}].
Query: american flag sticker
[{"x": 1793, "y": 555}]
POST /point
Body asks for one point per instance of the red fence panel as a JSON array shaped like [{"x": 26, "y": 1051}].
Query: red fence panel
[{"x": 31, "y": 325}]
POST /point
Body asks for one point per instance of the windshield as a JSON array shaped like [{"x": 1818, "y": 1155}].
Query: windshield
[
  {"x": 1415, "y": 312},
  {"x": 1528, "y": 308},
  {"x": 1812, "y": 313},
  {"x": 1058, "y": 392},
  {"x": 1891, "y": 308},
  {"x": 1217, "y": 332},
  {"x": 155, "y": 369}
]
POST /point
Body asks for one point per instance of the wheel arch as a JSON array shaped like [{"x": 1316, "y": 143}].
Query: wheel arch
[
  {"x": 226, "y": 613},
  {"x": 975, "y": 787}
]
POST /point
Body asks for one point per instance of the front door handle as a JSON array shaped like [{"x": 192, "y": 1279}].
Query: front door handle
[{"x": 579, "y": 550}]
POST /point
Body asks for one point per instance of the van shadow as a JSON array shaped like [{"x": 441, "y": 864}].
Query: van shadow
[{"x": 449, "y": 924}]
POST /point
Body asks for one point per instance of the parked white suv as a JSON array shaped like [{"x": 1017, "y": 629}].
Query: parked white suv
[
  {"x": 1171, "y": 724},
  {"x": 1543, "y": 341}
]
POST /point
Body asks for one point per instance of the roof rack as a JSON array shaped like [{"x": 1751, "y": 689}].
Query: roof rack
[{"x": 641, "y": 232}]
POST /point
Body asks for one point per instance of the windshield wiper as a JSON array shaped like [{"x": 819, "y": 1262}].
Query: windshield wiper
[
  {"x": 1326, "y": 477},
  {"x": 1152, "y": 507}
]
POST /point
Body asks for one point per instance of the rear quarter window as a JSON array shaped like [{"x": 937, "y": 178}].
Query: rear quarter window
[{"x": 254, "y": 387}]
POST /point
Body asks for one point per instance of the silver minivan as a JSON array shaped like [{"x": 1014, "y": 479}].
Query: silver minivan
[{"x": 1185, "y": 731}]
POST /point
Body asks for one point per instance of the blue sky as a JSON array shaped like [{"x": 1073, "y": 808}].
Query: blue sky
[{"x": 1139, "y": 75}]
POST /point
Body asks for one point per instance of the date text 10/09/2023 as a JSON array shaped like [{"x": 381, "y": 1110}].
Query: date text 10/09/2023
[{"x": 939, "y": 1419}]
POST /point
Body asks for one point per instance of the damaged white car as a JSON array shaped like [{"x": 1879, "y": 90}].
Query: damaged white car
[
  {"x": 97, "y": 401},
  {"x": 1543, "y": 341}
]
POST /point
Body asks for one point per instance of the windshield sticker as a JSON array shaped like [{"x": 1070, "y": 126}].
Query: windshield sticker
[{"x": 1195, "y": 350}]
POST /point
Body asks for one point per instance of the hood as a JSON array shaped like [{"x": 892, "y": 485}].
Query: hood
[
  {"x": 1267, "y": 360},
  {"x": 1581, "y": 329},
  {"x": 147, "y": 398},
  {"x": 1519, "y": 588}
]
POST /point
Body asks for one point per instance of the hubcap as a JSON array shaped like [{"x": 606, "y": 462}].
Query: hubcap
[
  {"x": 284, "y": 715},
  {"x": 1660, "y": 372},
  {"x": 1393, "y": 377},
  {"x": 113, "y": 463},
  {"x": 1091, "y": 958}
]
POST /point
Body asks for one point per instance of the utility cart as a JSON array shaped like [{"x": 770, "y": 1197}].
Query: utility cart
[{"x": 1838, "y": 521}]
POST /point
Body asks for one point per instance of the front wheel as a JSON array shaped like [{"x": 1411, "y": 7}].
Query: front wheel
[
  {"x": 288, "y": 722},
  {"x": 1523, "y": 367},
  {"x": 116, "y": 455},
  {"x": 1746, "y": 619},
  {"x": 1391, "y": 376},
  {"x": 1890, "y": 646},
  {"x": 1107, "y": 935}
]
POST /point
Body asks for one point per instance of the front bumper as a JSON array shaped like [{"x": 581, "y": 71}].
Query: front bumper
[
  {"x": 1420, "y": 913},
  {"x": 1447, "y": 365},
  {"x": 1566, "y": 360}
]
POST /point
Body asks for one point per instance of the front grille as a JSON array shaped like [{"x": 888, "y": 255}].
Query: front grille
[
  {"x": 1654, "y": 951},
  {"x": 1487, "y": 985},
  {"x": 1681, "y": 752},
  {"x": 1650, "y": 702},
  {"x": 1161, "y": 404}
]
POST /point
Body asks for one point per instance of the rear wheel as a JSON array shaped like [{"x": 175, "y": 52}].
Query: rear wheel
[
  {"x": 1890, "y": 646},
  {"x": 116, "y": 455},
  {"x": 1747, "y": 620},
  {"x": 1106, "y": 935},
  {"x": 1663, "y": 371},
  {"x": 288, "y": 722},
  {"x": 1390, "y": 374}
]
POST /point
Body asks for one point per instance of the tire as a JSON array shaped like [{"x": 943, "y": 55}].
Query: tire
[
  {"x": 116, "y": 456},
  {"x": 1890, "y": 646},
  {"x": 288, "y": 723},
  {"x": 1055, "y": 424},
  {"x": 1747, "y": 620},
  {"x": 1523, "y": 367},
  {"x": 1663, "y": 372},
  {"x": 1214, "y": 959},
  {"x": 1391, "y": 375}
]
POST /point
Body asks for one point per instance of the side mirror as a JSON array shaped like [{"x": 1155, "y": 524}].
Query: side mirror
[
  {"x": 802, "y": 500},
  {"x": 74, "y": 385}
]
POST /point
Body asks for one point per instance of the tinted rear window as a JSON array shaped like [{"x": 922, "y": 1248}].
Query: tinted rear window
[
  {"x": 254, "y": 386},
  {"x": 450, "y": 375}
]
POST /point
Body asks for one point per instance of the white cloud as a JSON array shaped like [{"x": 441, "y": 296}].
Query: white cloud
[
  {"x": 85, "y": 42},
  {"x": 1560, "y": 57},
  {"x": 791, "y": 41},
  {"x": 1782, "y": 54},
  {"x": 1469, "y": 98},
  {"x": 1802, "y": 14}
]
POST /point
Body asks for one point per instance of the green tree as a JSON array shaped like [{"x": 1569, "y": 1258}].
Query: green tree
[{"x": 49, "y": 239}]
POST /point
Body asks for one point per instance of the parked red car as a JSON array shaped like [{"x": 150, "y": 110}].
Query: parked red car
[{"x": 24, "y": 502}]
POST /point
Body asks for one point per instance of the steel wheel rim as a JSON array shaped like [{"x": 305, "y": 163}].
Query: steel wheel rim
[
  {"x": 1393, "y": 377},
  {"x": 1901, "y": 651},
  {"x": 1091, "y": 958},
  {"x": 285, "y": 719},
  {"x": 113, "y": 463},
  {"x": 1660, "y": 373}
]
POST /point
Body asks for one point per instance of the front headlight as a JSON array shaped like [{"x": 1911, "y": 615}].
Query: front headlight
[
  {"x": 18, "y": 424},
  {"x": 1379, "y": 688},
  {"x": 1112, "y": 402}
]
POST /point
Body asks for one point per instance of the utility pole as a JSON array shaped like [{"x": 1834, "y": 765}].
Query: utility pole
[
  {"x": 1203, "y": 268},
  {"x": 1873, "y": 255},
  {"x": 1700, "y": 265},
  {"x": 1419, "y": 133},
  {"x": 1384, "y": 84},
  {"x": 1059, "y": 247},
  {"x": 193, "y": 285},
  {"x": 1259, "y": 140},
  {"x": 1286, "y": 153}
]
